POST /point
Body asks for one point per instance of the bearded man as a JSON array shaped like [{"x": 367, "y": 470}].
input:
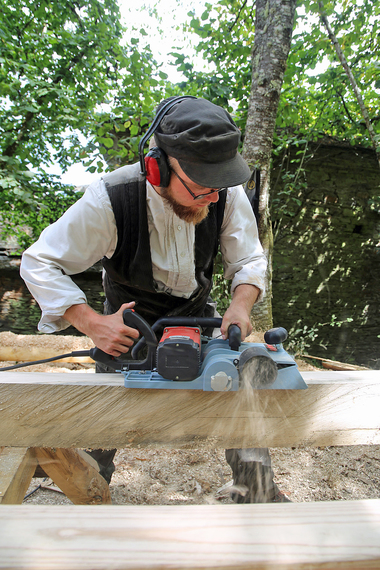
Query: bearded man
[{"x": 156, "y": 226}]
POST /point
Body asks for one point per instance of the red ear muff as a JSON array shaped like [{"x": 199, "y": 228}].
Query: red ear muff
[
  {"x": 152, "y": 171},
  {"x": 157, "y": 168}
]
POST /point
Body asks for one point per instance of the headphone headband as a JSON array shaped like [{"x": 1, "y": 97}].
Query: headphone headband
[{"x": 157, "y": 120}]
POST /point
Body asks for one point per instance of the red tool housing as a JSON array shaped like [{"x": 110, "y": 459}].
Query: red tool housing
[{"x": 179, "y": 353}]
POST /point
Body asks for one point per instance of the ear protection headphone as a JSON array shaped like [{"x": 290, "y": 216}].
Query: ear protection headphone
[{"x": 155, "y": 165}]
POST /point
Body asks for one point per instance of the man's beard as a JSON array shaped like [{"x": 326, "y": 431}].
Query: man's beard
[{"x": 185, "y": 213}]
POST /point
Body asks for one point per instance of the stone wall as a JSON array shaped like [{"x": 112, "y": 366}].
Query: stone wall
[
  {"x": 327, "y": 253},
  {"x": 19, "y": 312}
]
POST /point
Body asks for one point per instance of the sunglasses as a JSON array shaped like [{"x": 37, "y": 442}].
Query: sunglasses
[{"x": 196, "y": 196}]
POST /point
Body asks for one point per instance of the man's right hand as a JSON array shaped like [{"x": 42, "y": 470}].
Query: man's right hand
[{"x": 108, "y": 332}]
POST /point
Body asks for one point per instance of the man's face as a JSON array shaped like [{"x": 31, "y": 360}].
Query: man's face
[{"x": 182, "y": 202}]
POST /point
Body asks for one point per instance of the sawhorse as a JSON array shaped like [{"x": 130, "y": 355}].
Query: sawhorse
[{"x": 72, "y": 470}]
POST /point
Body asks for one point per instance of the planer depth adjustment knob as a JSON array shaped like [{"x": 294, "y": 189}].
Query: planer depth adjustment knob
[
  {"x": 221, "y": 382},
  {"x": 219, "y": 373}
]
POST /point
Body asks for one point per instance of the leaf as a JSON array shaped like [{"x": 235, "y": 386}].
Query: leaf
[
  {"x": 108, "y": 142},
  {"x": 31, "y": 109}
]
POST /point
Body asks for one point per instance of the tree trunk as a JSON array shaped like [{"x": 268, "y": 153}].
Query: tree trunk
[{"x": 273, "y": 34}]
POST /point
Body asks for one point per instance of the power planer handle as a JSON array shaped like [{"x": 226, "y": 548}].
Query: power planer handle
[
  {"x": 132, "y": 319},
  {"x": 234, "y": 333}
]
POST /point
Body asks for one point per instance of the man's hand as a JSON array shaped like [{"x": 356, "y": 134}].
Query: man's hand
[
  {"x": 108, "y": 332},
  {"x": 238, "y": 313}
]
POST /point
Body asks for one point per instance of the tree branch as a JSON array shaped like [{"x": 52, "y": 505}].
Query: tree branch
[
  {"x": 345, "y": 107},
  {"x": 354, "y": 85},
  {"x": 238, "y": 16},
  {"x": 76, "y": 15}
]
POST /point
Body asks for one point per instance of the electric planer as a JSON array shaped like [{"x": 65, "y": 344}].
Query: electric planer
[{"x": 184, "y": 358}]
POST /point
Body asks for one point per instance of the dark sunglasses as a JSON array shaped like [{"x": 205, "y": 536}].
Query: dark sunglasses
[{"x": 196, "y": 196}]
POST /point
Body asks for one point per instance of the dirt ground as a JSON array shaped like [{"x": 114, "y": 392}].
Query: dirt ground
[{"x": 198, "y": 473}]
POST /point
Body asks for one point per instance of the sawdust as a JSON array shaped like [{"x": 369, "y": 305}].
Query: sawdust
[
  {"x": 198, "y": 473},
  {"x": 59, "y": 343}
]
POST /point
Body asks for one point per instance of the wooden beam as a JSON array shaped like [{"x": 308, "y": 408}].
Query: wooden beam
[
  {"x": 76, "y": 474},
  {"x": 17, "y": 466},
  {"x": 95, "y": 410},
  {"x": 341, "y": 535},
  {"x": 73, "y": 471}
]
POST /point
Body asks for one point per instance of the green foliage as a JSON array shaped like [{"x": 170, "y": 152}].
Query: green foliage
[
  {"x": 19, "y": 315},
  {"x": 302, "y": 337},
  {"x": 29, "y": 203},
  {"x": 115, "y": 134},
  {"x": 225, "y": 32},
  {"x": 288, "y": 200},
  {"x": 221, "y": 291},
  {"x": 316, "y": 99},
  {"x": 62, "y": 63},
  {"x": 50, "y": 52}
]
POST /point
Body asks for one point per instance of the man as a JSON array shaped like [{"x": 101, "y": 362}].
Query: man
[{"x": 156, "y": 226}]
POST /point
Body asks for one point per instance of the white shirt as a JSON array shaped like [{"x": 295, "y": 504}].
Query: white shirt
[{"x": 87, "y": 232}]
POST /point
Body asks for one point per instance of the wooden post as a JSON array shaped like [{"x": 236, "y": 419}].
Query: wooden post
[
  {"x": 17, "y": 466},
  {"x": 337, "y": 408},
  {"x": 74, "y": 472}
]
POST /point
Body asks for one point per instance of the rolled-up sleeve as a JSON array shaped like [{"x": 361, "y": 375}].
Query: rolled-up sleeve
[
  {"x": 80, "y": 238},
  {"x": 244, "y": 260}
]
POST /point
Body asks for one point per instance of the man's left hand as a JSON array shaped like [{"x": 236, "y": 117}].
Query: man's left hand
[{"x": 238, "y": 313}]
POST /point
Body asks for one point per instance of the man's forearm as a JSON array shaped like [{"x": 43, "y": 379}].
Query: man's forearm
[
  {"x": 246, "y": 296},
  {"x": 108, "y": 332},
  {"x": 83, "y": 318}
]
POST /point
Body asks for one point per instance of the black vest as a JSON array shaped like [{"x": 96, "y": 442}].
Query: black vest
[{"x": 128, "y": 274}]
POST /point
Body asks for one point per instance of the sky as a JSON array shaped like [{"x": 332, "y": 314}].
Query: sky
[{"x": 173, "y": 13}]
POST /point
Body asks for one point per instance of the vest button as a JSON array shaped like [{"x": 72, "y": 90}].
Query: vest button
[{"x": 179, "y": 228}]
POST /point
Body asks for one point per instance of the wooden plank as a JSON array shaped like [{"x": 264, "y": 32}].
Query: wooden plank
[
  {"x": 337, "y": 535},
  {"x": 82, "y": 410},
  {"x": 75, "y": 474},
  {"x": 17, "y": 466}
]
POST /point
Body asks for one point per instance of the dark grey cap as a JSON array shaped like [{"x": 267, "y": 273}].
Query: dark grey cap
[{"x": 204, "y": 139}]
